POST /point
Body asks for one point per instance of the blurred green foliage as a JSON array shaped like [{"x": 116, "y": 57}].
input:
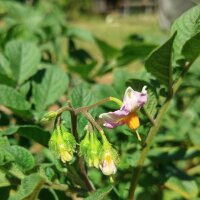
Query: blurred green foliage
[{"x": 42, "y": 66}]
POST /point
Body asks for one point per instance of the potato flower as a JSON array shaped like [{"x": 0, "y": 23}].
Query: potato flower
[{"x": 127, "y": 114}]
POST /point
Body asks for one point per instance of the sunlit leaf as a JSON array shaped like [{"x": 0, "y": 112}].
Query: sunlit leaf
[
  {"x": 53, "y": 84},
  {"x": 159, "y": 62},
  {"x": 10, "y": 98},
  {"x": 24, "y": 58},
  {"x": 29, "y": 188}
]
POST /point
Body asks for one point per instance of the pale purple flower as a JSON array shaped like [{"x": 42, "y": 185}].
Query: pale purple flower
[{"x": 127, "y": 114}]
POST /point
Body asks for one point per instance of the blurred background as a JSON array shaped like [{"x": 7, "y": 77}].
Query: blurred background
[{"x": 89, "y": 49}]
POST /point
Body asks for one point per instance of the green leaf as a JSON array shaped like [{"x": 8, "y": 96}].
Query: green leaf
[
  {"x": 186, "y": 188},
  {"x": 81, "y": 95},
  {"x": 29, "y": 188},
  {"x": 159, "y": 62},
  {"x": 5, "y": 157},
  {"x": 24, "y": 89},
  {"x": 4, "y": 66},
  {"x": 107, "y": 50},
  {"x": 10, "y": 98},
  {"x": 100, "y": 193},
  {"x": 191, "y": 48},
  {"x": 80, "y": 33},
  {"x": 6, "y": 80},
  {"x": 23, "y": 157},
  {"x": 120, "y": 77},
  {"x": 3, "y": 179},
  {"x": 54, "y": 83},
  {"x": 31, "y": 132},
  {"x": 134, "y": 51},
  {"x": 186, "y": 26},
  {"x": 152, "y": 102},
  {"x": 24, "y": 58},
  {"x": 104, "y": 91},
  {"x": 4, "y": 141},
  {"x": 83, "y": 69}
]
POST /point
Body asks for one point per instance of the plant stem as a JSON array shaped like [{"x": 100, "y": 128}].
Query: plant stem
[
  {"x": 93, "y": 122},
  {"x": 137, "y": 170},
  {"x": 81, "y": 165},
  {"x": 154, "y": 129},
  {"x": 102, "y": 101}
]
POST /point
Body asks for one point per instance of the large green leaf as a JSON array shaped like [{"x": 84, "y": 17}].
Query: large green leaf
[
  {"x": 100, "y": 193},
  {"x": 24, "y": 58},
  {"x": 134, "y": 51},
  {"x": 186, "y": 26},
  {"x": 186, "y": 188},
  {"x": 29, "y": 188},
  {"x": 191, "y": 48},
  {"x": 104, "y": 91},
  {"x": 159, "y": 62},
  {"x": 53, "y": 85},
  {"x": 80, "y": 96},
  {"x": 23, "y": 157},
  {"x": 4, "y": 66},
  {"x": 83, "y": 69},
  {"x": 31, "y": 132},
  {"x": 9, "y": 97},
  {"x": 107, "y": 50},
  {"x": 80, "y": 33}
]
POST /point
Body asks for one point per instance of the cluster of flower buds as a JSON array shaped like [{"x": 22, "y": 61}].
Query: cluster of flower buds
[
  {"x": 99, "y": 154},
  {"x": 62, "y": 144}
]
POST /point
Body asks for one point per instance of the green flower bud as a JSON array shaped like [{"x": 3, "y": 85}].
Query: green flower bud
[
  {"x": 90, "y": 148},
  {"x": 108, "y": 159},
  {"x": 62, "y": 144},
  {"x": 48, "y": 116}
]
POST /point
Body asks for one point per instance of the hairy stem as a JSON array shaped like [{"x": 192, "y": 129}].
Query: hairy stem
[
  {"x": 102, "y": 101},
  {"x": 93, "y": 122},
  {"x": 81, "y": 165}
]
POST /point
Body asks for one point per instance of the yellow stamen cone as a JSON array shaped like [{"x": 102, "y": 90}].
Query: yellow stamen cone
[{"x": 133, "y": 121}]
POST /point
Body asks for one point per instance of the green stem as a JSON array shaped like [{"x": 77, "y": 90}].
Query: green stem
[
  {"x": 154, "y": 129},
  {"x": 81, "y": 165},
  {"x": 137, "y": 170},
  {"x": 102, "y": 101},
  {"x": 93, "y": 122}
]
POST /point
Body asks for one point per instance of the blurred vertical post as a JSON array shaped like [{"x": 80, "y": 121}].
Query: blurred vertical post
[{"x": 169, "y": 10}]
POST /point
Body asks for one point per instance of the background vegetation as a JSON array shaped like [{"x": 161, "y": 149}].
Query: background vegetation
[{"x": 47, "y": 59}]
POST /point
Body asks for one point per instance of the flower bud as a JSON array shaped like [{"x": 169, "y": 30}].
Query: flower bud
[
  {"x": 90, "y": 148},
  {"x": 63, "y": 144},
  {"x": 107, "y": 165},
  {"x": 48, "y": 116},
  {"x": 109, "y": 158}
]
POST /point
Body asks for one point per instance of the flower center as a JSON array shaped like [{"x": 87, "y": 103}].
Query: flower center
[{"x": 132, "y": 121}]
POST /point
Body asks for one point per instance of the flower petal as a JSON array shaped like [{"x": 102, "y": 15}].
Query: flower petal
[
  {"x": 134, "y": 100},
  {"x": 113, "y": 119}
]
